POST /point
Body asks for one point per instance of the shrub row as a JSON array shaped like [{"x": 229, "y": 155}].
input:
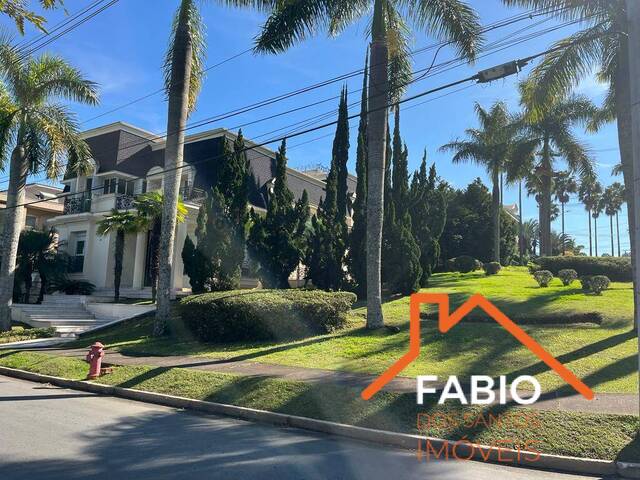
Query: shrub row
[
  {"x": 463, "y": 264},
  {"x": 241, "y": 315},
  {"x": 618, "y": 269}
]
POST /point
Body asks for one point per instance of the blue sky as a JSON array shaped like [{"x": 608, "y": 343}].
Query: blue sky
[{"x": 123, "y": 49}]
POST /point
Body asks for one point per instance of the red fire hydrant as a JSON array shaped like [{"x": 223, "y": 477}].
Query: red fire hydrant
[{"x": 94, "y": 358}]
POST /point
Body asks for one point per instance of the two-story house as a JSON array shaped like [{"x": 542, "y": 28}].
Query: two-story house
[
  {"x": 43, "y": 202},
  {"x": 127, "y": 161}
]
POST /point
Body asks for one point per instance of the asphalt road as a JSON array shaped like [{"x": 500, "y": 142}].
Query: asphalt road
[{"x": 52, "y": 433}]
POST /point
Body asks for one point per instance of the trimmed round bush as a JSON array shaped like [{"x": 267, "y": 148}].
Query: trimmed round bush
[
  {"x": 492, "y": 268},
  {"x": 252, "y": 315},
  {"x": 585, "y": 282},
  {"x": 465, "y": 264},
  {"x": 599, "y": 283},
  {"x": 543, "y": 277},
  {"x": 567, "y": 276}
]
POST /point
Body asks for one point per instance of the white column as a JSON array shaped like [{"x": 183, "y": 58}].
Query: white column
[
  {"x": 177, "y": 274},
  {"x": 139, "y": 259}
]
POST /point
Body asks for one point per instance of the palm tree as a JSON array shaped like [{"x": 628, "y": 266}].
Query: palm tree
[
  {"x": 549, "y": 127},
  {"x": 184, "y": 70},
  {"x": 564, "y": 185},
  {"x": 613, "y": 199},
  {"x": 35, "y": 251},
  {"x": 589, "y": 193},
  {"x": 596, "y": 210},
  {"x": 602, "y": 45},
  {"x": 517, "y": 169},
  {"x": 389, "y": 72},
  {"x": 490, "y": 146},
  {"x": 36, "y": 133},
  {"x": 121, "y": 223},
  {"x": 530, "y": 233},
  {"x": 150, "y": 207}
]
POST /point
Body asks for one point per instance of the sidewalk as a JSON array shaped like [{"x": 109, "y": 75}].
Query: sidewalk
[{"x": 611, "y": 403}]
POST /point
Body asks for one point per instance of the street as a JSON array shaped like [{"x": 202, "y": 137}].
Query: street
[{"x": 89, "y": 436}]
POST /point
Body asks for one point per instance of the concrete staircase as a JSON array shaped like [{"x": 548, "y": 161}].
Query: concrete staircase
[{"x": 66, "y": 313}]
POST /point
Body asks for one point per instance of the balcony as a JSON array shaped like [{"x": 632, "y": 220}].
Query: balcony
[
  {"x": 76, "y": 204},
  {"x": 192, "y": 195},
  {"x": 125, "y": 202}
]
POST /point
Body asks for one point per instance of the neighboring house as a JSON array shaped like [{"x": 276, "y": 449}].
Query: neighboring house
[
  {"x": 128, "y": 161},
  {"x": 45, "y": 203}
]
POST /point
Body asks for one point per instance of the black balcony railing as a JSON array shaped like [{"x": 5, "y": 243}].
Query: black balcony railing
[
  {"x": 191, "y": 194},
  {"x": 76, "y": 264},
  {"x": 76, "y": 204},
  {"x": 125, "y": 202}
]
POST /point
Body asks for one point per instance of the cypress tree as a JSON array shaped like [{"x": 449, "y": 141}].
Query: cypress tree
[
  {"x": 328, "y": 237},
  {"x": 340, "y": 154},
  {"x": 277, "y": 240},
  {"x": 401, "y": 254},
  {"x": 429, "y": 212},
  {"x": 357, "y": 259},
  {"x": 221, "y": 225}
]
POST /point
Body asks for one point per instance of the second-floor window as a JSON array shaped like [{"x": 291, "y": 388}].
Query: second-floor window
[{"x": 117, "y": 185}]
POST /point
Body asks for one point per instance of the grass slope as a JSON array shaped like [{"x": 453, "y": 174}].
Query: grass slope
[
  {"x": 565, "y": 433},
  {"x": 604, "y": 357}
]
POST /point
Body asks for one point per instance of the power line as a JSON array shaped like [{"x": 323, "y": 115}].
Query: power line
[
  {"x": 494, "y": 47},
  {"x": 476, "y": 77}
]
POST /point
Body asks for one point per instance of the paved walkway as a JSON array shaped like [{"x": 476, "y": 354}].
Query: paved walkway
[{"x": 612, "y": 403}]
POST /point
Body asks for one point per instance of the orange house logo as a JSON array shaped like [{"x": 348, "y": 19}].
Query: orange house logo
[{"x": 447, "y": 321}]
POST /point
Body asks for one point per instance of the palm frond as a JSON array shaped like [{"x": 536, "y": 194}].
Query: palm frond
[
  {"x": 292, "y": 22},
  {"x": 188, "y": 14},
  {"x": 563, "y": 68},
  {"x": 581, "y": 10},
  {"x": 448, "y": 20},
  {"x": 398, "y": 41},
  {"x": 575, "y": 152},
  {"x": 53, "y": 76}
]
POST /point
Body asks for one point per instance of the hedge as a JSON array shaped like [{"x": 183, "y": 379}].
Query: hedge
[
  {"x": 618, "y": 269},
  {"x": 242, "y": 315}
]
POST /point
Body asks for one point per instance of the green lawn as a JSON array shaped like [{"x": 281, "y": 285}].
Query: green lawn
[
  {"x": 605, "y": 357},
  {"x": 565, "y": 433}
]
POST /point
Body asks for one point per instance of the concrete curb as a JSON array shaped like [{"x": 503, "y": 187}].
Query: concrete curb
[{"x": 448, "y": 449}]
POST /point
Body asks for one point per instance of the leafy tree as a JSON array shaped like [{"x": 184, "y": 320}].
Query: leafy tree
[
  {"x": 357, "y": 255},
  {"x": 36, "y": 132},
  {"x": 589, "y": 192},
  {"x": 277, "y": 240},
  {"x": 564, "y": 185},
  {"x": 428, "y": 212},
  {"x": 548, "y": 128},
  {"x": 389, "y": 72},
  {"x": 120, "y": 223},
  {"x": 149, "y": 206},
  {"x": 20, "y": 13},
  {"x": 328, "y": 236},
  {"x": 489, "y": 146},
  {"x": 468, "y": 229}
]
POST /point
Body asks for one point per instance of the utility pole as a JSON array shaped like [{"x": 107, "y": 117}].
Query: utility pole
[{"x": 633, "y": 18}]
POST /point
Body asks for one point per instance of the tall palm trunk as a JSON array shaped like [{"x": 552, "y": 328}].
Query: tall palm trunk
[
  {"x": 563, "y": 246},
  {"x": 595, "y": 233},
  {"x": 377, "y": 135},
  {"x": 117, "y": 273},
  {"x": 618, "y": 232},
  {"x": 611, "y": 227},
  {"x": 590, "y": 235},
  {"x": 495, "y": 217},
  {"x": 623, "y": 113},
  {"x": 176, "y": 123},
  {"x": 520, "y": 225},
  {"x": 545, "y": 203},
  {"x": 13, "y": 221}
]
